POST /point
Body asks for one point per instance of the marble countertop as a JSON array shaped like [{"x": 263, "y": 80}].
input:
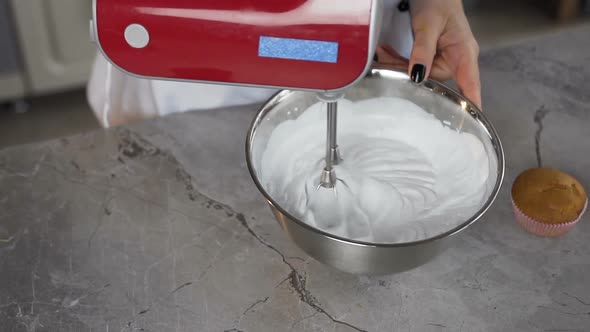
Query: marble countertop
[{"x": 158, "y": 227}]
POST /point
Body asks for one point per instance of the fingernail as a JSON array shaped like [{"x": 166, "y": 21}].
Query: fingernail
[
  {"x": 376, "y": 58},
  {"x": 404, "y": 6},
  {"x": 418, "y": 73}
]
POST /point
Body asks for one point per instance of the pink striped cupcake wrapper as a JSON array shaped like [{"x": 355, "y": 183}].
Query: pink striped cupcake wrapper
[{"x": 542, "y": 229}]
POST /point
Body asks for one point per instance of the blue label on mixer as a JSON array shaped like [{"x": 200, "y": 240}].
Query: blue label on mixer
[{"x": 298, "y": 49}]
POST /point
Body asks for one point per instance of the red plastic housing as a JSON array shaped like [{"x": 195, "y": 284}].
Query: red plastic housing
[{"x": 219, "y": 40}]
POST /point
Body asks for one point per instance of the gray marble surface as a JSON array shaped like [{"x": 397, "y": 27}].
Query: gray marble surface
[{"x": 158, "y": 227}]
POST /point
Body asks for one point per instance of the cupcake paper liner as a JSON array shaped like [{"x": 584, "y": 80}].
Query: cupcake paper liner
[{"x": 543, "y": 229}]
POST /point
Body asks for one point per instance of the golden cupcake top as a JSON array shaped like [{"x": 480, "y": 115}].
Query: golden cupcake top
[{"x": 549, "y": 196}]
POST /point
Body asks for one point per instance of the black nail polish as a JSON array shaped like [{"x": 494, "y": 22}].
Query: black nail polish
[
  {"x": 376, "y": 58},
  {"x": 418, "y": 73},
  {"x": 404, "y": 6}
]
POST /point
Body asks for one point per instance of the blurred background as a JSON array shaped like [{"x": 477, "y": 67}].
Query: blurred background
[{"x": 46, "y": 56}]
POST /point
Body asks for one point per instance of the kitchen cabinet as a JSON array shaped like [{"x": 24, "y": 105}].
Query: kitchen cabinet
[
  {"x": 53, "y": 36},
  {"x": 11, "y": 77}
]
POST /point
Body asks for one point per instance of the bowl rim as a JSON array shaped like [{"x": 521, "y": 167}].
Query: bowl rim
[{"x": 434, "y": 87}]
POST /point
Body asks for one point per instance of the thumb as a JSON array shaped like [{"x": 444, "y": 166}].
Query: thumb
[
  {"x": 467, "y": 74},
  {"x": 427, "y": 27}
]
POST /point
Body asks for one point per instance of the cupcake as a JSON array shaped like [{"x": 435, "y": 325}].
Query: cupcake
[{"x": 548, "y": 202}]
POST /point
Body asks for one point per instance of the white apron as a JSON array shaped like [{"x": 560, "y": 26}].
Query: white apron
[{"x": 117, "y": 98}]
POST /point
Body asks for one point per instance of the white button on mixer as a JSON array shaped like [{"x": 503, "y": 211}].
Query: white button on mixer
[{"x": 137, "y": 36}]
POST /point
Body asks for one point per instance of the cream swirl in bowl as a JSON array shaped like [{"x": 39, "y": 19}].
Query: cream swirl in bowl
[{"x": 406, "y": 176}]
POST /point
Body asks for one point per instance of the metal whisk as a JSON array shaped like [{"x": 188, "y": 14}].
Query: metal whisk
[{"x": 328, "y": 178}]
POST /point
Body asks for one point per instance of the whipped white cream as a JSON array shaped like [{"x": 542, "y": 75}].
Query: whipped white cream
[{"x": 405, "y": 176}]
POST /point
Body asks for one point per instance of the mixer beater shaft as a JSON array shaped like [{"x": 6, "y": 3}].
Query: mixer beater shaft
[{"x": 328, "y": 178}]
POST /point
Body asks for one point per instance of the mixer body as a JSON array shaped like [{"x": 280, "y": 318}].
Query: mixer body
[{"x": 320, "y": 45}]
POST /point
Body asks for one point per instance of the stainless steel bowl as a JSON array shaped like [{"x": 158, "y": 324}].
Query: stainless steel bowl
[{"x": 357, "y": 257}]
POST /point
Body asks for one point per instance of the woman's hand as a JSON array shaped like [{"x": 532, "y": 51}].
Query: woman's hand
[{"x": 444, "y": 47}]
